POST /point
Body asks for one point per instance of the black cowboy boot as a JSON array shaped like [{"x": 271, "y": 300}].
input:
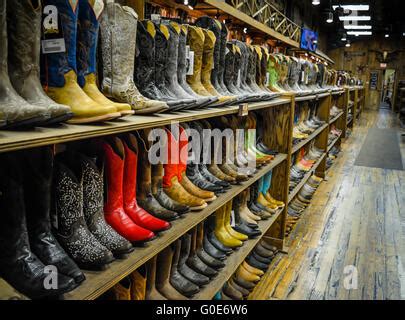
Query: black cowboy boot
[
  {"x": 93, "y": 208},
  {"x": 18, "y": 265},
  {"x": 195, "y": 262},
  {"x": 70, "y": 224},
  {"x": 38, "y": 170}
]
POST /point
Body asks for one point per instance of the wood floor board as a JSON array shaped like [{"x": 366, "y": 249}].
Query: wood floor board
[{"x": 357, "y": 218}]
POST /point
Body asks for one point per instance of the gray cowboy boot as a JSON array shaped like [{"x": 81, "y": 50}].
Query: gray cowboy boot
[
  {"x": 13, "y": 108},
  {"x": 118, "y": 27},
  {"x": 24, "y": 26}
]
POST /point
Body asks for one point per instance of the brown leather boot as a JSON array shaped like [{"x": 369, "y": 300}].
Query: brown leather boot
[
  {"x": 231, "y": 292},
  {"x": 239, "y": 288},
  {"x": 151, "y": 285},
  {"x": 138, "y": 288},
  {"x": 242, "y": 273},
  {"x": 253, "y": 270},
  {"x": 207, "y": 196},
  {"x": 121, "y": 291},
  {"x": 164, "y": 265}
]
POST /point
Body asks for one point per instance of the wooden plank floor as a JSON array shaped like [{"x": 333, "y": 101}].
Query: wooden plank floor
[{"x": 354, "y": 226}]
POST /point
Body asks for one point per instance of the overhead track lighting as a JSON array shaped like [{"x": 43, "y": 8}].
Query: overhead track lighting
[{"x": 360, "y": 33}]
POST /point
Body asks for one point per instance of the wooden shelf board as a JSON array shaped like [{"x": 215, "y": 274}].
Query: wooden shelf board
[
  {"x": 333, "y": 143},
  {"x": 298, "y": 146},
  {"x": 333, "y": 120},
  {"x": 336, "y": 93},
  {"x": 234, "y": 261},
  {"x": 17, "y": 140},
  {"x": 305, "y": 98},
  {"x": 305, "y": 179},
  {"x": 99, "y": 282}
]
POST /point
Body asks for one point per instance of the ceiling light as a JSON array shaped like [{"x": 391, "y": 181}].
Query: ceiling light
[
  {"x": 315, "y": 41},
  {"x": 359, "y": 33},
  {"x": 244, "y": 30},
  {"x": 344, "y": 36},
  {"x": 357, "y": 27},
  {"x": 403, "y": 34},
  {"x": 186, "y": 2},
  {"x": 387, "y": 35},
  {"x": 355, "y": 18},
  {"x": 190, "y": 7},
  {"x": 348, "y": 45},
  {"x": 316, "y": 2},
  {"x": 359, "y": 7},
  {"x": 329, "y": 17}
]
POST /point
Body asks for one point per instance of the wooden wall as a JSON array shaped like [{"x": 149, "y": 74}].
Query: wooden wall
[{"x": 364, "y": 57}]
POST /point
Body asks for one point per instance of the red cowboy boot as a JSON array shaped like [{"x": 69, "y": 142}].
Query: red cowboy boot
[
  {"x": 133, "y": 210},
  {"x": 113, "y": 209}
]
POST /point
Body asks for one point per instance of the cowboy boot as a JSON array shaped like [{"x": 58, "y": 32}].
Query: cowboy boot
[
  {"x": 24, "y": 65},
  {"x": 59, "y": 70},
  {"x": 251, "y": 269},
  {"x": 171, "y": 70},
  {"x": 227, "y": 224},
  {"x": 162, "y": 268},
  {"x": 93, "y": 209},
  {"x": 182, "y": 69},
  {"x": 242, "y": 273},
  {"x": 161, "y": 196},
  {"x": 14, "y": 110},
  {"x": 207, "y": 196},
  {"x": 189, "y": 273},
  {"x": 19, "y": 266},
  {"x": 138, "y": 288},
  {"x": 256, "y": 208},
  {"x": 115, "y": 215},
  {"x": 222, "y": 233},
  {"x": 207, "y": 256},
  {"x": 151, "y": 278},
  {"x": 245, "y": 292},
  {"x": 133, "y": 191},
  {"x": 145, "y": 64},
  {"x": 87, "y": 40},
  {"x": 118, "y": 27},
  {"x": 121, "y": 291},
  {"x": 171, "y": 179},
  {"x": 162, "y": 40},
  {"x": 241, "y": 225},
  {"x": 144, "y": 194},
  {"x": 37, "y": 171},
  {"x": 177, "y": 280},
  {"x": 222, "y": 59},
  {"x": 231, "y": 292},
  {"x": 194, "y": 260},
  {"x": 229, "y": 73},
  {"x": 70, "y": 224}
]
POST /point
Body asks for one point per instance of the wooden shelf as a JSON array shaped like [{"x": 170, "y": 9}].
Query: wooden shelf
[
  {"x": 234, "y": 261},
  {"x": 333, "y": 143},
  {"x": 99, "y": 282},
  {"x": 305, "y": 179},
  {"x": 334, "y": 119},
  {"x": 17, "y": 140},
  {"x": 336, "y": 93},
  {"x": 305, "y": 98},
  {"x": 298, "y": 146}
]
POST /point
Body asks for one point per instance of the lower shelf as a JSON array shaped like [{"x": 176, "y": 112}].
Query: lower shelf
[
  {"x": 305, "y": 179},
  {"x": 234, "y": 261},
  {"x": 333, "y": 143},
  {"x": 98, "y": 282}
]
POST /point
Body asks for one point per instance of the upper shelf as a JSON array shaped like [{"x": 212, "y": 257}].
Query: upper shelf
[{"x": 18, "y": 140}]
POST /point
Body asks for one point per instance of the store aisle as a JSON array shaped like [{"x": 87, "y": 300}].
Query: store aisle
[{"x": 355, "y": 226}]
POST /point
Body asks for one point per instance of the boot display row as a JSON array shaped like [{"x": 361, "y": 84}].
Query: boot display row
[
  {"x": 306, "y": 122},
  {"x": 303, "y": 163},
  {"x": 298, "y": 205},
  {"x": 249, "y": 273}
]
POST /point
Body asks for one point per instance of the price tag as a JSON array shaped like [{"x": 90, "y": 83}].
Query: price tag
[
  {"x": 243, "y": 110},
  {"x": 190, "y": 63},
  {"x": 233, "y": 222},
  {"x": 155, "y": 18},
  {"x": 53, "y": 46}
]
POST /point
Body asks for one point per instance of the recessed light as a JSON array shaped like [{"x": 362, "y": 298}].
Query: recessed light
[{"x": 330, "y": 17}]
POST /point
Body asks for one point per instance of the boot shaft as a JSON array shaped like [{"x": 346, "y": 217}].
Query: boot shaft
[
  {"x": 144, "y": 166},
  {"x": 87, "y": 38},
  {"x": 3, "y": 38},
  {"x": 208, "y": 63},
  {"x": 60, "y": 16},
  {"x": 195, "y": 39},
  {"x": 118, "y": 29},
  {"x": 172, "y": 63},
  {"x": 229, "y": 64},
  {"x": 130, "y": 171},
  {"x": 24, "y": 36},
  {"x": 222, "y": 53},
  {"x": 162, "y": 40}
]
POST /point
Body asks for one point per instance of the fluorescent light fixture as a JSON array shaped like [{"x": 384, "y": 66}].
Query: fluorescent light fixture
[
  {"x": 355, "y": 7},
  {"x": 355, "y": 18},
  {"x": 316, "y": 2},
  {"x": 359, "y": 33},
  {"x": 357, "y": 27}
]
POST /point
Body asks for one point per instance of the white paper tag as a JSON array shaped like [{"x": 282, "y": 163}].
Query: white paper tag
[
  {"x": 239, "y": 78},
  {"x": 233, "y": 223},
  {"x": 243, "y": 110},
  {"x": 190, "y": 63},
  {"x": 53, "y": 46},
  {"x": 155, "y": 18},
  {"x": 267, "y": 79}
]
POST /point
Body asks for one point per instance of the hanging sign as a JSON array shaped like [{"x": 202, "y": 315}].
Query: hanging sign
[{"x": 374, "y": 80}]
